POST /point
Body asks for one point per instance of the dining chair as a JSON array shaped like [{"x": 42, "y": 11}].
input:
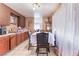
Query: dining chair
[
  {"x": 29, "y": 40},
  {"x": 42, "y": 42}
]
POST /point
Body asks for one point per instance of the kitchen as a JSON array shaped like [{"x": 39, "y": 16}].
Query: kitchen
[
  {"x": 15, "y": 27},
  {"x": 12, "y": 31},
  {"x": 21, "y": 22}
]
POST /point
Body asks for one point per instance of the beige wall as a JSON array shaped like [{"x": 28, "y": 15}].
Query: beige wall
[
  {"x": 50, "y": 20},
  {"x": 30, "y": 23},
  {"x": 12, "y": 28},
  {"x": 46, "y": 20},
  {"x": 4, "y": 15}
]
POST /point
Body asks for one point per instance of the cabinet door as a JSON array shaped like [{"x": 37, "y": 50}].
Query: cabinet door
[
  {"x": 22, "y": 35},
  {"x": 12, "y": 41},
  {"x": 26, "y": 35},
  {"x": 4, "y": 45},
  {"x": 18, "y": 38}
]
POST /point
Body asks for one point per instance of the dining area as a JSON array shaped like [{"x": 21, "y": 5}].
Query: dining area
[
  {"x": 42, "y": 40},
  {"x": 28, "y": 33},
  {"x": 39, "y": 29},
  {"x": 37, "y": 44}
]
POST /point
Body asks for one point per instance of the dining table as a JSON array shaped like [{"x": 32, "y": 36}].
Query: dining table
[{"x": 33, "y": 38}]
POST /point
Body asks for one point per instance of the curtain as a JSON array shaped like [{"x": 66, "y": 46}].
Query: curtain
[{"x": 64, "y": 24}]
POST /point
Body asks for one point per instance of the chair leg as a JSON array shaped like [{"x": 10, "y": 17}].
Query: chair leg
[
  {"x": 47, "y": 54},
  {"x": 48, "y": 49},
  {"x": 37, "y": 54},
  {"x": 28, "y": 48},
  {"x": 37, "y": 51}
]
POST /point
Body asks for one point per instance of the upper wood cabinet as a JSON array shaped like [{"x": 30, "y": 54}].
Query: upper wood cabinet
[
  {"x": 21, "y": 21},
  {"x": 4, "y": 15}
]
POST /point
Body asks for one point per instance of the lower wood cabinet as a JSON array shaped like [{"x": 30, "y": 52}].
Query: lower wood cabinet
[
  {"x": 26, "y": 35},
  {"x": 12, "y": 41},
  {"x": 22, "y": 35},
  {"x": 18, "y": 38},
  {"x": 4, "y": 45},
  {"x": 9, "y": 42}
]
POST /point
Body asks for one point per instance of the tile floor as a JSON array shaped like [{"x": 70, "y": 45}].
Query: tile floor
[{"x": 22, "y": 50}]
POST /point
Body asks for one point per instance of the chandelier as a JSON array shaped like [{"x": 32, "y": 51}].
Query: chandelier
[{"x": 36, "y": 6}]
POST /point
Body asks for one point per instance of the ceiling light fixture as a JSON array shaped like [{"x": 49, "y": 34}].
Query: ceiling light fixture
[{"x": 35, "y": 5}]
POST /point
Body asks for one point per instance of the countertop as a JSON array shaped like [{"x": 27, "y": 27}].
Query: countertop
[{"x": 13, "y": 33}]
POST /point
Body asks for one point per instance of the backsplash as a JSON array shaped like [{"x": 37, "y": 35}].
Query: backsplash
[{"x": 12, "y": 28}]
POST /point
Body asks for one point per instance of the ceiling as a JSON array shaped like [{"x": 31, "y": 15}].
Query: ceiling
[{"x": 26, "y": 9}]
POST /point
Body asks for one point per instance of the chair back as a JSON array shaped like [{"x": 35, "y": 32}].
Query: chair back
[{"x": 42, "y": 39}]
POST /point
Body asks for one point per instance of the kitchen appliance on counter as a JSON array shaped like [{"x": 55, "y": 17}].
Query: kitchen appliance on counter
[{"x": 2, "y": 30}]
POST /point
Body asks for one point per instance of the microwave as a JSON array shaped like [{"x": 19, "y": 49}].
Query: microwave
[{"x": 2, "y": 30}]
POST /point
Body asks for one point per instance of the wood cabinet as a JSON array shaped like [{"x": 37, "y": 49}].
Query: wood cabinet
[
  {"x": 26, "y": 35},
  {"x": 4, "y": 45},
  {"x": 9, "y": 42},
  {"x": 21, "y": 22},
  {"x": 12, "y": 41},
  {"x": 18, "y": 38},
  {"x": 22, "y": 35}
]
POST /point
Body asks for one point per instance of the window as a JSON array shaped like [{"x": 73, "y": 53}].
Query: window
[{"x": 37, "y": 21}]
